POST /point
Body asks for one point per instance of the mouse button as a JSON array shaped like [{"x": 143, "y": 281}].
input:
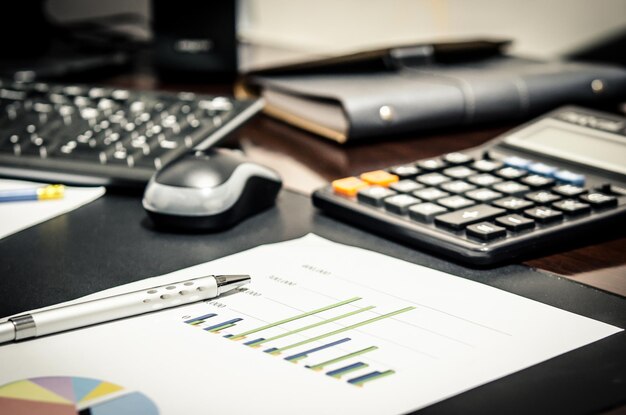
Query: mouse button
[{"x": 192, "y": 173}]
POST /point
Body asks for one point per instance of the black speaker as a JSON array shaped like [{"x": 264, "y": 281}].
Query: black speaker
[{"x": 195, "y": 38}]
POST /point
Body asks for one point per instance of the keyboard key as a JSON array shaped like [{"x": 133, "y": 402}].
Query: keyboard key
[
  {"x": 426, "y": 212},
  {"x": 514, "y": 204},
  {"x": 406, "y": 186},
  {"x": 542, "y": 169},
  {"x": 457, "y": 158},
  {"x": 511, "y": 173},
  {"x": 515, "y": 222},
  {"x": 544, "y": 214},
  {"x": 484, "y": 180},
  {"x": 457, "y": 186},
  {"x": 399, "y": 204},
  {"x": 432, "y": 164},
  {"x": 511, "y": 188},
  {"x": 430, "y": 194},
  {"x": 537, "y": 182},
  {"x": 379, "y": 177},
  {"x": 569, "y": 177},
  {"x": 407, "y": 171},
  {"x": 348, "y": 186},
  {"x": 542, "y": 197},
  {"x": 599, "y": 200},
  {"x": 432, "y": 179},
  {"x": 568, "y": 190},
  {"x": 455, "y": 202},
  {"x": 374, "y": 195},
  {"x": 486, "y": 165},
  {"x": 518, "y": 162},
  {"x": 461, "y": 218},
  {"x": 483, "y": 195},
  {"x": 485, "y": 231},
  {"x": 459, "y": 172},
  {"x": 572, "y": 207}
]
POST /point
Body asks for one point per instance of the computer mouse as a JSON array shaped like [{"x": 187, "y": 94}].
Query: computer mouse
[{"x": 209, "y": 190}]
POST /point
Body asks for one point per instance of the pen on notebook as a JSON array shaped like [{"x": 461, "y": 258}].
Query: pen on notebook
[
  {"x": 49, "y": 192},
  {"x": 73, "y": 316}
]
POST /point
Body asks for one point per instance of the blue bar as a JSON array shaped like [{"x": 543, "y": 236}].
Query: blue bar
[
  {"x": 228, "y": 335},
  {"x": 316, "y": 349},
  {"x": 251, "y": 342},
  {"x": 18, "y": 195},
  {"x": 270, "y": 350},
  {"x": 570, "y": 177},
  {"x": 364, "y": 377},
  {"x": 343, "y": 369},
  {"x": 223, "y": 324},
  {"x": 193, "y": 320}
]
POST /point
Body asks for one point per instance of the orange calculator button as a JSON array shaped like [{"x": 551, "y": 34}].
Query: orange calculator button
[
  {"x": 348, "y": 186},
  {"x": 379, "y": 177}
]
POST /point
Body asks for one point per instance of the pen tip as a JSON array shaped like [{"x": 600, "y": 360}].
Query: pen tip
[{"x": 230, "y": 282}]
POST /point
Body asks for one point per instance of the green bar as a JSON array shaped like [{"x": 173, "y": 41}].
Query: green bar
[
  {"x": 310, "y": 326},
  {"x": 341, "y": 330},
  {"x": 287, "y": 320},
  {"x": 321, "y": 366},
  {"x": 216, "y": 329},
  {"x": 345, "y": 372},
  {"x": 381, "y": 375}
]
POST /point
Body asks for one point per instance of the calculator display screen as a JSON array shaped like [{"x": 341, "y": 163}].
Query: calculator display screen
[{"x": 575, "y": 144}]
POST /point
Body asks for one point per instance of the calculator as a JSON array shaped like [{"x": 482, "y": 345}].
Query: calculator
[{"x": 558, "y": 179}]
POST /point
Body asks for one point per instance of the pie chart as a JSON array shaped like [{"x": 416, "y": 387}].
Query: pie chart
[{"x": 66, "y": 395}]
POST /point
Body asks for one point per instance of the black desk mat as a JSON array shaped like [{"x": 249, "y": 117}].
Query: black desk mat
[{"x": 111, "y": 242}]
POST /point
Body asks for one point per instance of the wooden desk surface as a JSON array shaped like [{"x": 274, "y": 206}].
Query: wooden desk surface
[{"x": 306, "y": 161}]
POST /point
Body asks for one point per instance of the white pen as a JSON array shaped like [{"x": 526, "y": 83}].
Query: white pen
[{"x": 58, "y": 319}]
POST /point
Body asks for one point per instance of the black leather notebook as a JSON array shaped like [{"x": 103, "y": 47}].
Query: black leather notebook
[{"x": 425, "y": 87}]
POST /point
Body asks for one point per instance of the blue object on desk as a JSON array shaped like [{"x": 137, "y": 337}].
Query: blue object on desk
[{"x": 49, "y": 192}]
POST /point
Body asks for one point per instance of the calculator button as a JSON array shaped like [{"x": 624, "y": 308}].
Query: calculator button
[
  {"x": 483, "y": 195},
  {"x": 542, "y": 197},
  {"x": 407, "y": 171},
  {"x": 432, "y": 164},
  {"x": 513, "y": 204},
  {"x": 425, "y": 212},
  {"x": 599, "y": 200},
  {"x": 567, "y": 176},
  {"x": 544, "y": 214},
  {"x": 457, "y": 186},
  {"x": 464, "y": 217},
  {"x": 542, "y": 169},
  {"x": 486, "y": 231},
  {"x": 379, "y": 177},
  {"x": 615, "y": 189},
  {"x": 430, "y": 194},
  {"x": 374, "y": 195},
  {"x": 568, "y": 190},
  {"x": 432, "y": 179},
  {"x": 515, "y": 222},
  {"x": 484, "y": 180},
  {"x": 455, "y": 202},
  {"x": 511, "y": 173},
  {"x": 518, "y": 162},
  {"x": 400, "y": 203},
  {"x": 406, "y": 186},
  {"x": 572, "y": 207},
  {"x": 486, "y": 165},
  {"x": 511, "y": 188},
  {"x": 348, "y": 186},
  {"x": 536, "y": 181},
  {"x": 459, "y": 172},
  {"x": 457, "y": 158}
]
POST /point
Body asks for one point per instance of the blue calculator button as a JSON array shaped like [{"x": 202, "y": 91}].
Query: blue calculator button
[
  {"x": 569, "y": 177},
  {"x": 542, "y": 169},
  {"x": 520, "y": 163}
]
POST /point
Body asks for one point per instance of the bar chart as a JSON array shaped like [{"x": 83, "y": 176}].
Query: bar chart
[{"x": 342, "y": 366}]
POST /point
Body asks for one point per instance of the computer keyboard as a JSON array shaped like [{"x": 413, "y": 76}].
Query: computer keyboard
[
  {"x": 105, "y": 136},
  {"x": 556, "y": 181}
]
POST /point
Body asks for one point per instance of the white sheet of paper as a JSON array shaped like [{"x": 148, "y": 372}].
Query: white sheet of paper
[
  {"x": 432, "y": 334},
  {"x": 16, "y": 216}
]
